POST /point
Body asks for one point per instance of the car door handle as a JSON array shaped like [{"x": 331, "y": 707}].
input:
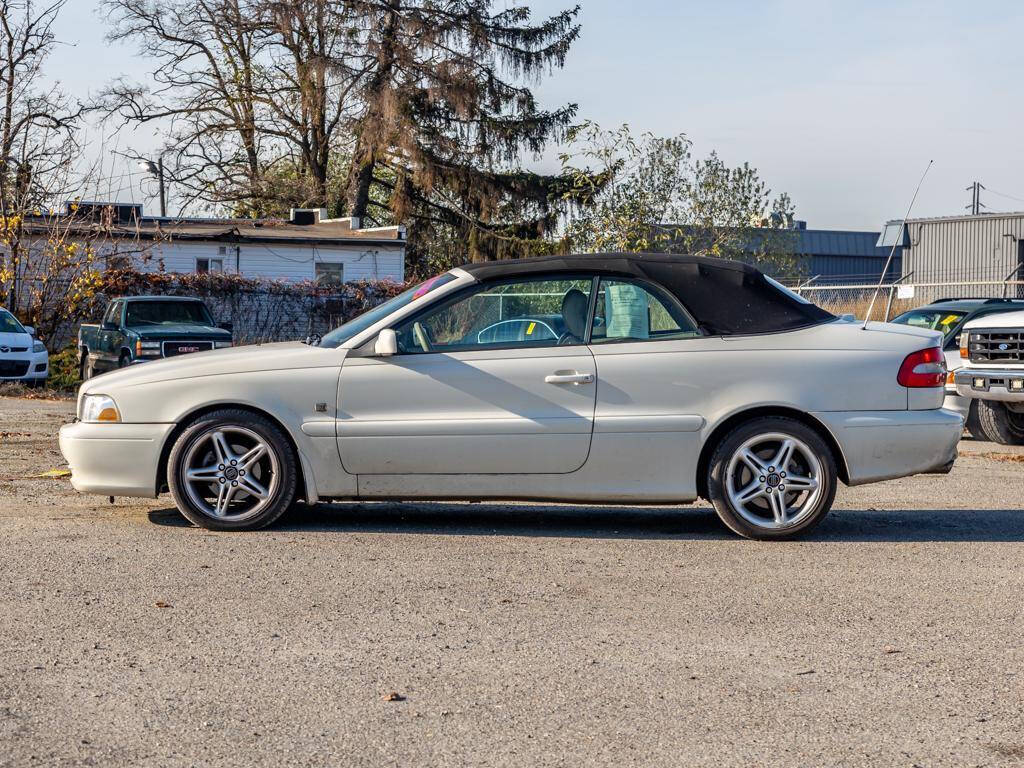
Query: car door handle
[{"x": 569, "y": 378}]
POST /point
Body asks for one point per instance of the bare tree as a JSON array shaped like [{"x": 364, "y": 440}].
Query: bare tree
[
  {"x": 38, "y": 131},
  {"x": 249, "y": 90}
]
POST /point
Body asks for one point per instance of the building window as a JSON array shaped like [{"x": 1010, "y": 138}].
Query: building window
[
  {"x": 209, "y": 265},
  {"x": 329, "y": 273}
]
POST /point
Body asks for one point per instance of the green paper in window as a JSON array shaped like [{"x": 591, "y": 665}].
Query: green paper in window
[{"x": 626, "y": 310}]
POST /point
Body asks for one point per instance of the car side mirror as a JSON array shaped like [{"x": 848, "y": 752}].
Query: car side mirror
[
  {"x": 226, "y": 326},
  {"x": 31, "y": 331},
  {"x": 958, "y": 339},
  {"x": 386, "y": 344}
]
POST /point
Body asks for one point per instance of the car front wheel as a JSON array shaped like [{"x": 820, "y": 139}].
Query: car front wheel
[
  {"x": 1000, "y": 424},
  {"x": 772, "y": 478},
  {"x": 232, "y": 470},
  {"x": 974, "y": 427}
]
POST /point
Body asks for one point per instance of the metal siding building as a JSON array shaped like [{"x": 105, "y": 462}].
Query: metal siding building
[
  {"x": 837, "y": 256},
  {"x": 834, "y": 256},
  {"x": 963, "y": 249}
]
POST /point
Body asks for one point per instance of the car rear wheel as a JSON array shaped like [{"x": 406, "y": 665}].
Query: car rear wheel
[
  {"x": 85, "y": 371},
  {"x": 232, "y": 470},
  {"x": 1002, "y": 425},
  {"x": 772, "y": 478}
]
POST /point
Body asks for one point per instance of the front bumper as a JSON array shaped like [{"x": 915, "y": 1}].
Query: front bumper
[
  {"x": 114, "y": 459},
  {"x": 36, "y": 366},
  {"x": 882, "y": 445},
  {"x": 991, "y": 384}
]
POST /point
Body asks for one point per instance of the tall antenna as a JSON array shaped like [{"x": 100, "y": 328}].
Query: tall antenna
[{"x": 895, "y": 242}]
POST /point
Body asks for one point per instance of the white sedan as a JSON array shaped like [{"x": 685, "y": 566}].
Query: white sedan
[
  {"x": 626, "y": 379},
  {"x": 23, "y": 357}
]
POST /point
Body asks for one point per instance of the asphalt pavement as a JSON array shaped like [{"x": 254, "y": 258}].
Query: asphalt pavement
[{"x": 509, "y": 634}]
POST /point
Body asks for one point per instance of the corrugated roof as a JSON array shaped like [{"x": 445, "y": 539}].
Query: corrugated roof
[
  {"x": 961, "y": 217},
  {"x": 832, "y": 242},
  {"x": 233, "y": 230}
]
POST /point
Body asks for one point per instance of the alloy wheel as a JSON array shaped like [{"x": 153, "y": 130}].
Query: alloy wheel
[
  {"x": 231, "y": 473},
  {"x": 774, "y": 481}
]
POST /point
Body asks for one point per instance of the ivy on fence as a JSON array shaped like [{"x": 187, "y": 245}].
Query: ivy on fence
[{"x": 260, "y": 310}]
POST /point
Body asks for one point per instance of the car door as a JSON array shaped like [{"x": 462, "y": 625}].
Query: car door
[
  {"x": 653, "y": 388},
  {"x": 110, "y": 337},
  {"x": 461, "y": 399}
]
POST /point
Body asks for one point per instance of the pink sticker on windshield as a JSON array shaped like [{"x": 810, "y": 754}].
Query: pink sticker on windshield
[{"x": 425, "y": 288}]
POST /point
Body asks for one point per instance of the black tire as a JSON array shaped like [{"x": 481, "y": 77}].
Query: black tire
[
  {"x": 125, "y": 360},
  {"x": 281, "y": 493},
  {"x": 85, "y": 371},
  {"x": 719, "y": 468},
  {"x": 974, "y": 427},
  {"x": 1002, "y": 425}
]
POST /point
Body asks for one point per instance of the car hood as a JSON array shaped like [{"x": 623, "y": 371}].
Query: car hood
[
  {"x": 998, "y": 320},
  {"x": 229, "y": 361},
  {"x": 182, "y": 331},
  {"x": 15, "y": 340}
]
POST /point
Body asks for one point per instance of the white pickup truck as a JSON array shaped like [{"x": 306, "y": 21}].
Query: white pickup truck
[{"x": 992, "y": 350}]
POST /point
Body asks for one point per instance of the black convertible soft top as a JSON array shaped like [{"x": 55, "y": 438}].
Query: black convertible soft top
[{"x": 725, "y": 297}]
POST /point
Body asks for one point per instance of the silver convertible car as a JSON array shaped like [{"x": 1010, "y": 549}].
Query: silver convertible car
[{"x": 612, "y": 378}]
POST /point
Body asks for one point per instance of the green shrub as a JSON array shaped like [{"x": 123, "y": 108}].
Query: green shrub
[{"x": 64, "y": 371}]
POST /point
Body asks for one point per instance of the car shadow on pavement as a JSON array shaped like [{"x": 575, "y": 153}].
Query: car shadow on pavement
[{"x": 566, "y": 521}]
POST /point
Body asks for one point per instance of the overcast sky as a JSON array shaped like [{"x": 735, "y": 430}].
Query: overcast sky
[{"x": 841, "y": 103}]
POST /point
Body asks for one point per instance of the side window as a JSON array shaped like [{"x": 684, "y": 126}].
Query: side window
[
  {"x": 113, "y": 316},
  {"x": 524, "y": 313},
  {"x": 204, "y": 266},
  {"x": 630, "y": 311}
]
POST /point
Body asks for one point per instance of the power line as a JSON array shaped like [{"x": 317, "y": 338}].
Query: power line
[{"x": 1003, "y": 194}]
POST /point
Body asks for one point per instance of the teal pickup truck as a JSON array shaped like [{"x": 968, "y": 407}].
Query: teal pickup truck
[{"x": 136, "y": 329}]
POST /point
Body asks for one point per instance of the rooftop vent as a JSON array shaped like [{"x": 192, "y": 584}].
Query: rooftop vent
[
  {"x": 305, "y": 217},
  {"x": 105, "y": 213}
]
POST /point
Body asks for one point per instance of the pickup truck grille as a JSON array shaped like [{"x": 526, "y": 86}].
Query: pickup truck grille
[
  {"x": 13, "y": 367},
  {"x": 173, "y": 348},
  {"x": 996, "y": 346}
]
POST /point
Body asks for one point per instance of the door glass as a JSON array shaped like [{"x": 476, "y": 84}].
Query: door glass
[
  {"x": 526, "y": 313},
  {"x": 630, "y": 311}
]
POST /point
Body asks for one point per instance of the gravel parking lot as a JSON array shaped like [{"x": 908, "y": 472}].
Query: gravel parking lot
[{"x": 509, "y": 634}]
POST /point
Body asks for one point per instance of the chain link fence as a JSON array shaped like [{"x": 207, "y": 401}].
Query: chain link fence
[{"x": 902, "y": 295}]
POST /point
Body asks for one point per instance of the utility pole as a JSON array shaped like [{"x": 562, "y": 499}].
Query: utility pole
[
  {"x": 157, "y": 169},
  {"x": 975, "y": 205},
  {"x": 163, "y": 194}
]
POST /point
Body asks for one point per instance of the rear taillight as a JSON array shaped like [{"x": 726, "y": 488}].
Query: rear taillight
[{"x": 924, "y": 368}]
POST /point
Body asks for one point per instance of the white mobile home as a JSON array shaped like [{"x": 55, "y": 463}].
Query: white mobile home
[{"x": 306, "y": 246}]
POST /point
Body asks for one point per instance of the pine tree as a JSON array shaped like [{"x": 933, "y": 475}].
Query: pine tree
[{"x": 445, "y": 120}]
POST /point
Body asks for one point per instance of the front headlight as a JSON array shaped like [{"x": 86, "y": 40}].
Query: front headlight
[
  {"x": 147, "y": 349},
  {"x": 98, "y": 409},
  {"x": 37, "y": 347}
]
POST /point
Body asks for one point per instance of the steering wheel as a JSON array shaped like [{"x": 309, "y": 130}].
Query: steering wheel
[{"x": 422, "y": 337}]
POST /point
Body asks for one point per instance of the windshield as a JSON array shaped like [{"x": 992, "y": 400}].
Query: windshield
[
  {"x": 358, "y": 324},
  {"x": 167, "y": 313},
  {"x": 8, "y": 323},
  {"x": 933, "y": 320}
]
